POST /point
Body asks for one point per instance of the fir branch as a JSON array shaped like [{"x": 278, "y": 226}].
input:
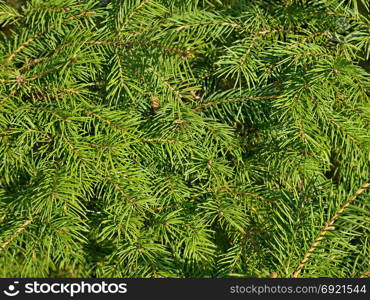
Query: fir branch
[
  {"x": 105, "y": 147},
  {"x": 104, "y": 120},
  {"x": 54, "y": 114},
  {"x": 128, "y": 45},
  {"x": 345, "y": 132},
  {"x": 134, "y": 11},
  {"x": 254, "y": 39},
  {"x": 154, "y": 140},
  {"x": 328, "y": 226},
  {"x": 41, "y": 33},
  {"x": 15, "y": 234},
  {"x": 82, "y": 14},
  {"x": 33, "y": 62},
  {"x": 241, "y": 99},
  {"x": 204, "y": 139},
  {"x": 221, "y": 23},
  {"x": 22, "y": 46},
  {"x": 44, "y": 73},
  {"x": 354, "y": 110},
  {"x": 121, "y": 191}
]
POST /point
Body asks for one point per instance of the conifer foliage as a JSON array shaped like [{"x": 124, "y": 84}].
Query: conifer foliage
[{"x": 184, "y": 138}]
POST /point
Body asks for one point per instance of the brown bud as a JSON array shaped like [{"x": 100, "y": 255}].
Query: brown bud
[
  {"x": 186, "y": 54},
  {"x": 155, "y": 102},
  {"x": 20, "y": 79},
  {"x": 194, "y": 95}
]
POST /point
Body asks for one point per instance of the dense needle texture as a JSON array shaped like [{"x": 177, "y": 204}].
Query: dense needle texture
[{"x": 184, "y": 138}]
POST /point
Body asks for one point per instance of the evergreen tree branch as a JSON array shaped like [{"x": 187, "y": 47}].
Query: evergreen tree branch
[
  {"x": 328, "y": 226},
  {"x": 15, "y": 234},
  {"x": 41, "y": 33},
  {"x": 241, "y": 99}
]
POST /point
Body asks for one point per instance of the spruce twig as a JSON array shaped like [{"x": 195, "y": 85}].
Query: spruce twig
[
  {"x": 328, "y": 226},
  {"x": 15, "y": 234},
  {"x": 239, "y": 99}
]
